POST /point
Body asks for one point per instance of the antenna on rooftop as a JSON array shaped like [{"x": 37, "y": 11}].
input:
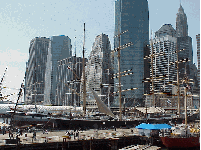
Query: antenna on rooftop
[
  {"x": 84, "y": 78},
  {"x": 75, "y": 43}
]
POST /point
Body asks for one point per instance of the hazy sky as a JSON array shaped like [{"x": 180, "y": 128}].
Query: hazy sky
[{"x": 22, "y": 20}]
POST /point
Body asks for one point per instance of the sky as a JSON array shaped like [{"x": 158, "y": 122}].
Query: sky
[{"x": 21, "y": 21}]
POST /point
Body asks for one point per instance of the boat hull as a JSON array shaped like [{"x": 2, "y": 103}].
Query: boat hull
[
  {"x": 29, "y": 120},
  {"x": 99, "y": 124},
  {"x": 177, "y": 142}
]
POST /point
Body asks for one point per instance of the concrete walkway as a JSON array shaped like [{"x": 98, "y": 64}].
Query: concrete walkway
[{"x": 59, "y": 135}]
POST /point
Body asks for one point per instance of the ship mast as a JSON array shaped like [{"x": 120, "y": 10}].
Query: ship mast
[
  {"x": 84, "y": 78},
  {"x": 186, "y": 86},
  {"x": 120, "y": 117},
  {"x": 1, "y": 96},
  {"x": 119, "y": 73},
  {"x": 177, "y": 62},
  {"x": 152, "y": 70},
  {"x": 185, "y": 92},
  {"x": 178, "y": 102}
]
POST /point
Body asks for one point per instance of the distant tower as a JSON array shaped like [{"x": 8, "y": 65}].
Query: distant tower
[
  {"x": 184, "y": 42},
  {"x": 97, "y": 72},
  {"x": 69, "y": 72},
  {"x": 165, "y": 43},
  {"x": 59, "y": 48},
  {"x": 35, "y": 72},
  {"x": 131, "y": 15},
  {"x": 198, "y": 56},
  {"x": 181, "y": 23}
]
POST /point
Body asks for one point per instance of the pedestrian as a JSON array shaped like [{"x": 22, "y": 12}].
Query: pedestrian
[
  {"x": 78, "y": 134},
  {"x": 34, "y": 135},
  {"x": 3, "y": 130},
  {"x": 21, "y": 132},
  {"x": 9, "y": 132}
]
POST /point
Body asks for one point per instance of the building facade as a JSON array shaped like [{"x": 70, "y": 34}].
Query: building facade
[
  {"x": 184, "y": 42},
  {"x": 60, "y": 48},
  {"x": 35, "y": 70},
  {"x": 164, "y": 44},
  {"x": 99, "y": 72},
  {"x": 131, "y": 15},
  {"x": 68, "y": 79},
  {"x": 181, "y": 23},
  {"x": 198, "y": 56}
]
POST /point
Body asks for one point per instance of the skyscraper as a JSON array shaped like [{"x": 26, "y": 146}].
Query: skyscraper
[
  {"x": 184, "y": 42},
  {"x": 181, "y": 23},
  {"x": 165, "y": 44},
  {"x": 99, "y": 70},
  {"x": 198, "y": 56},
  {"x": 68, "y": 77},
  {"x": 35, "y": 70},
  {"x": 60, "y": 48},
  {"x": 131, "y": 15}
]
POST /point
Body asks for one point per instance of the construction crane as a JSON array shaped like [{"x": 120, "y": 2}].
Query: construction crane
[
  {"x": 15, "y": 108},
  {"x": 1, "y": 96}
]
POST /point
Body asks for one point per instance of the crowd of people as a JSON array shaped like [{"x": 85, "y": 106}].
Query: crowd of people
[{"x": 75, "y": 134}]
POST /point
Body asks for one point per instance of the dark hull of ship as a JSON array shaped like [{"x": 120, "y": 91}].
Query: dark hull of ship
[
  {"x": 29, "y": 120},
  {"x": 22, "y": 120},
  {"x": 100, "y": 124},
  {"x": 185, "y": 142}
]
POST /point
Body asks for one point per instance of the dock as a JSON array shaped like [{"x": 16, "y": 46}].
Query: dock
[
  {"x": 91, "y": 139},
  {"x": 141, "y": 147}
]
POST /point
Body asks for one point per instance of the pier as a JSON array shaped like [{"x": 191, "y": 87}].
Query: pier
[{"x": 91, "y": 139}]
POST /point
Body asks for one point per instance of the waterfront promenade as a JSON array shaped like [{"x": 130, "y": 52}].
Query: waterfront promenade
[
  {"x": 111, "y": 139},
  {"x": 61, "y": 135}
]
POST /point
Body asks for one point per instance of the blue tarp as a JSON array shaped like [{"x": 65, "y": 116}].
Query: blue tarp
[{"x": 153, "y": 126}]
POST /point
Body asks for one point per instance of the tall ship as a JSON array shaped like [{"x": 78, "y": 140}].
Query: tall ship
[
  {"x": 182, "y": 136},
  {"x": 87, "y": 120}
]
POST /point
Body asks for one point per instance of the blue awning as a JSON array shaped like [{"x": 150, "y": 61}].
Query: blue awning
[{"x": 153, "y": 126}]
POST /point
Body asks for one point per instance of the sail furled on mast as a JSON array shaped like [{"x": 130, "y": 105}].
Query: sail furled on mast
[{"x": 101, "y": 106}]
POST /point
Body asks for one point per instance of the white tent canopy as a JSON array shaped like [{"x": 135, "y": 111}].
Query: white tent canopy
[{"x": 151, "y": 110}]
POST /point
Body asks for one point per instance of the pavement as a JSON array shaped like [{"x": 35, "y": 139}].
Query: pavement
[
  {"x": 59, "y": 135},
  {"x": 141, "y": 147}
]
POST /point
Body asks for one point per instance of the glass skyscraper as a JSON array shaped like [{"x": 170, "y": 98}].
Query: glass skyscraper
[
  {"x": 99, "y": 70},
  {"x": 59, "y": 48},
  {"x": 35, "y": 70},
  {"x": 132, "y": 15}
]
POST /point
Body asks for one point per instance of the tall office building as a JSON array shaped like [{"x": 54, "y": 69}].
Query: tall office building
[
  {"x": 99, "y": 71},
  {"x": 132, "y": 15},
  {"x": 165, "y": 44},
  {"x": 35, "y": 70},
  {"x": 68, "y": 79},
  {"x": 60, "y": 48},
  {"x": 184, "y": 42},
  {"x": 198, "y": 56},
  {"x": 181, "y": 23}
]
